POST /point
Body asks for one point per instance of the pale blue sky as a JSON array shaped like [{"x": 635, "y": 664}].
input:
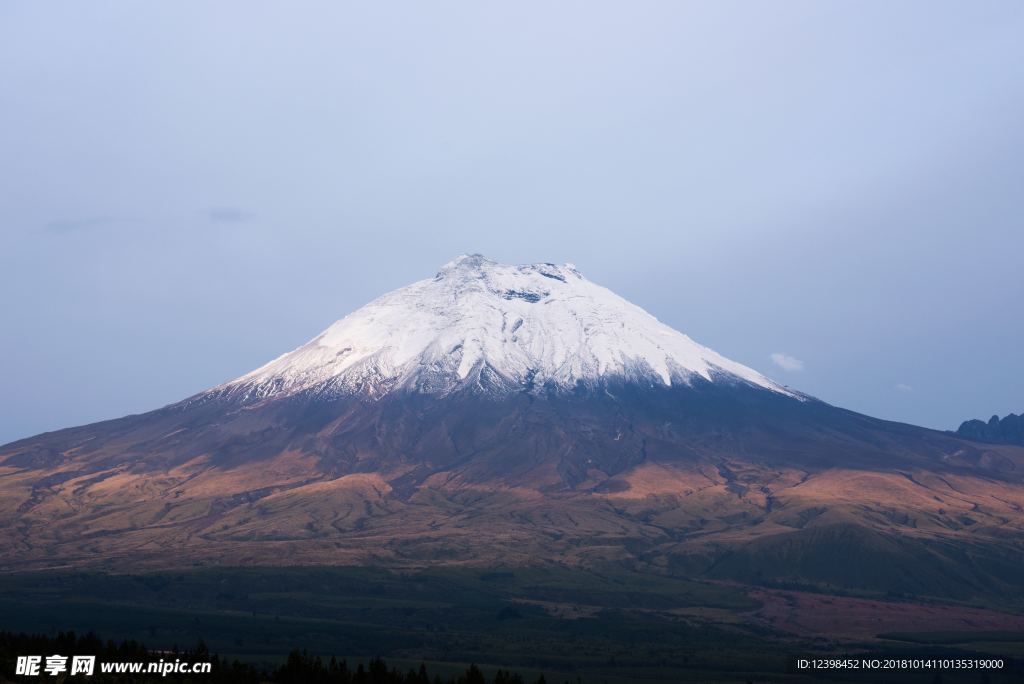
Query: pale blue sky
[{"x": 189, "y": 189}]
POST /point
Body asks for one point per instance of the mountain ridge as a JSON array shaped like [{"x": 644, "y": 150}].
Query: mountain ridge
[{"x": 1006, "y": 430}]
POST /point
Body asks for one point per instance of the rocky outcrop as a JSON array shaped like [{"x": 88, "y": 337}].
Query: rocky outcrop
[{"x": 1008, "y": 430}]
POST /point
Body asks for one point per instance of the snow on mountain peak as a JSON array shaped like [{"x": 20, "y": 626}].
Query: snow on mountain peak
[{"x": 496, "y": 326}]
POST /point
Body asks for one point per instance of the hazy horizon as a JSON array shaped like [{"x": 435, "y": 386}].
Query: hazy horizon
[{"x": 830, "y": 194}]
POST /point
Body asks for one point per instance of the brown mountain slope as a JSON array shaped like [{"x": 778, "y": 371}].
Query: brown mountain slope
[{"x": 712, "y": 481}]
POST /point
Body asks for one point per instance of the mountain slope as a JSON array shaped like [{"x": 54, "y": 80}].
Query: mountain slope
[{"x": 485, "y": 416}]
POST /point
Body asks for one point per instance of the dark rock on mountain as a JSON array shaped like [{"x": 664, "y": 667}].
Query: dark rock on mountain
[{"x": 1009, "y": 430}]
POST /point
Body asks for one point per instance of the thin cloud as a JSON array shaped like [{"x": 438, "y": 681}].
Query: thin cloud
[
  {"x": 787, "y": 362},
  {"x": 903, "y": 387},
  {"x": 228, "y": 214},
  {"x": 74, "y": 225}
]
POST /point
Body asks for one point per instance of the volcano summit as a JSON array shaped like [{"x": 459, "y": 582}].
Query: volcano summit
[
  {"x": 494, "y": 328},
  {"x": 504, "y": 415}
]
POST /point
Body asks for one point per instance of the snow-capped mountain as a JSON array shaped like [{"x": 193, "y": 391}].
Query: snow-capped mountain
[
  {"x": 512, "y": 414},
  {"x": 494, "y": 327}
]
